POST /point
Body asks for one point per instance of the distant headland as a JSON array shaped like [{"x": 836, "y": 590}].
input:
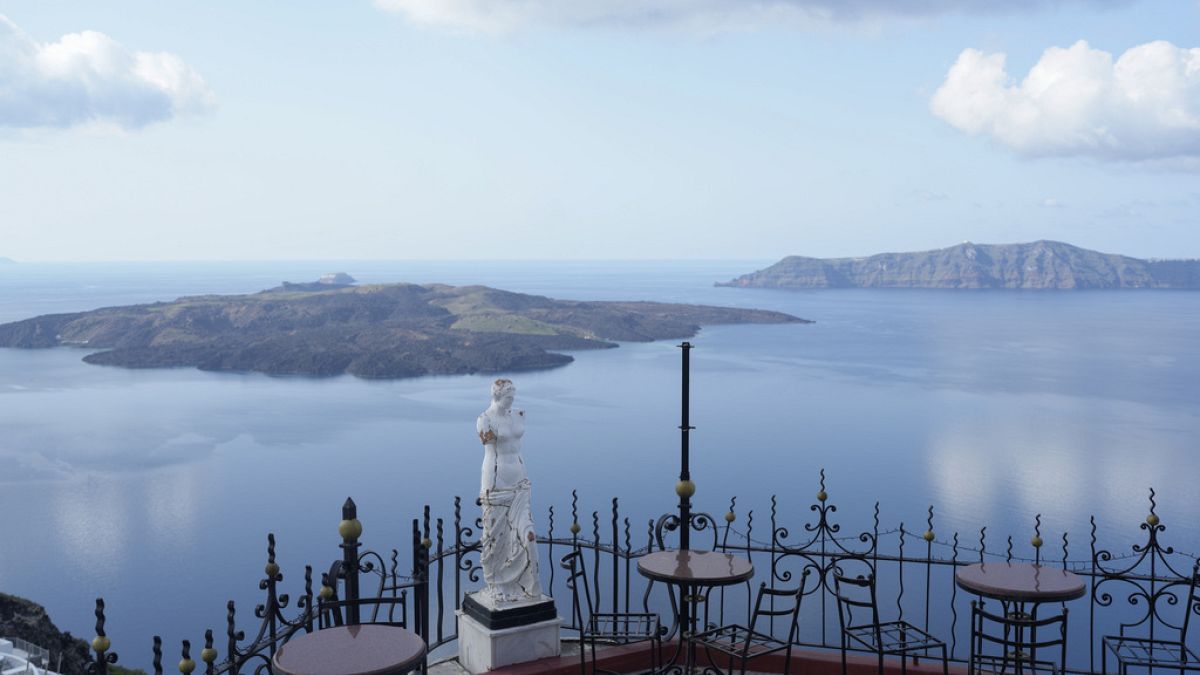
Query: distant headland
[
  {"x": 331, "y": 327},
  {"x": 1037, "y": 265},
  {"x": 7, "y": 261}
]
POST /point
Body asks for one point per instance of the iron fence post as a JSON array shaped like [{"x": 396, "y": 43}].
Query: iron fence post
[{"x": 350, "y": 530}]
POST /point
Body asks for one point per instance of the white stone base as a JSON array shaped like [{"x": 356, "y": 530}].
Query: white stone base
[{"x": 481, "y": 649}]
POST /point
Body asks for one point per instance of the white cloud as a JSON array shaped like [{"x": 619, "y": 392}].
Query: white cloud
[
  {"x": 1143, "y": 106},
  {"x": 497, "y": 16},
  {"x": 88, "y": 78},
  {"x": 1051, "y": 203}
]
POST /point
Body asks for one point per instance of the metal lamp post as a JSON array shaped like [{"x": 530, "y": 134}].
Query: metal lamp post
[{"x": 685, "y": 488}]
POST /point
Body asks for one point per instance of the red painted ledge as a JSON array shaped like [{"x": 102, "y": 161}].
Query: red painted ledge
[{"x": 634, "y": 658}]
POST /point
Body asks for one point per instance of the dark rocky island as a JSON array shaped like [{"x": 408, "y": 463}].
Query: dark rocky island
[
  {"x": 25, "y": 620},
  {"x": 1038, "y": 265},
  {"x": 383, "y": 331}
]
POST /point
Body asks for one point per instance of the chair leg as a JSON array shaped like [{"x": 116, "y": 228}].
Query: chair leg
[
  {"x": 880, "y": 653},
  {"x": 843, "y": 654},
  {"x": 595, "y": 661},
  {"x": 582, "y": 654},
  {"x": 945, "y": 661},
  {"x": 787, "y": 660}
]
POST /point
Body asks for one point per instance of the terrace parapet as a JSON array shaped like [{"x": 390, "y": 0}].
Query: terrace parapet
[{"x": 1140, "y": 590}]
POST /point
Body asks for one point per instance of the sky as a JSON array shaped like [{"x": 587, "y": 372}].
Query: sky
[{"x": 594, "y": 129}]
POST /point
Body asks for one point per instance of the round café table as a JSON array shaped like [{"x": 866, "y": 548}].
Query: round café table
[
  {"x": 1016, "y": 585},
  {"x": 1020, "y": 582},
  {"x": 367, "y": 649},
  {"x": 692, "y": 571}
]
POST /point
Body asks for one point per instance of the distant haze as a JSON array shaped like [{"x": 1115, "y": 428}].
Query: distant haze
[{"x": 594, "y": 129}]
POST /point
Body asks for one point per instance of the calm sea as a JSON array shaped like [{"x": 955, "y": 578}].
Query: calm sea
[{"x": 156, "y": 489}]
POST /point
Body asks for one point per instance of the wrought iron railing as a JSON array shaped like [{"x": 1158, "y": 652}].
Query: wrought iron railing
[
  {"x": 33, "y": 653},
  {"x": 1140, "y": 591}
]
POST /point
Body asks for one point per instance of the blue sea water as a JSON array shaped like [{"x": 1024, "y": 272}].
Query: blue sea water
[{"x": 156, "y": 488}]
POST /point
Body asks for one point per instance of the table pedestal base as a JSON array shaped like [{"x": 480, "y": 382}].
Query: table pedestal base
[{"x": 490, "y": 637}]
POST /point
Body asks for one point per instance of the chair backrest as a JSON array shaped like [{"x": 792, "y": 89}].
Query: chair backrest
[
  {"x": 385, "y": 610},
  {"x": 783, "y": 608},
  {"x": 856, "y": 597},
  {"x": 577, "y": 580},
  {"x": 1017, "y": 637}
]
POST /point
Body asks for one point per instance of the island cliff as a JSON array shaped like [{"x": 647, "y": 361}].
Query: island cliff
[
  {"x": 380, "y": 331},
  {"x": 1037, "y": 265},
  {"x": 25, "y": 620}
]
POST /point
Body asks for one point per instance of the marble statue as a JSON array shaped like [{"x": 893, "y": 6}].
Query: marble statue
[{"x": 509, "y": 548}]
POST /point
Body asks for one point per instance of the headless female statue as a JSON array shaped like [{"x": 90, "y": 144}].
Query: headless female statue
[{"x": 509, "y": 547}]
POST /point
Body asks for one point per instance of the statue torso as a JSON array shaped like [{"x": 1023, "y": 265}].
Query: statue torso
[{"x": 503, "y": 468}]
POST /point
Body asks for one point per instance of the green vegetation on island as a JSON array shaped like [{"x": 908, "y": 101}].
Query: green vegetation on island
[
  {"x": 380, "y": 331},
  {"x": 1037, "y": 265}
]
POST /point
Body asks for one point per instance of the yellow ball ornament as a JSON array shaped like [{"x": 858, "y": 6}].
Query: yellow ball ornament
[{"x": 350, "y": 529}]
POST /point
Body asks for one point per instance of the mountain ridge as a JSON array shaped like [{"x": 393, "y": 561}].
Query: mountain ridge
[{"x": 1042, "y": 264}]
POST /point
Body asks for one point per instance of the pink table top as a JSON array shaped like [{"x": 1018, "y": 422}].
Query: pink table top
[
  {"x": 1020, "y": 582},
  {"x": 368, "y": 649}
]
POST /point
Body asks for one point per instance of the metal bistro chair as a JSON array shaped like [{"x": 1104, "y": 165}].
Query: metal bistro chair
[
  {"x": 618, "y": 628},
  {"x": 389, "y": 607},
  {"x": 1016, "y": 635},
  {"x": 884, "y": 638},
  {"x": 1157, "y": 653},
  {"x": 743, "y": 643}
]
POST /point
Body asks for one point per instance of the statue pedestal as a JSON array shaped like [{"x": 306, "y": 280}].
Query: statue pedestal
[{"x": 491, "y": 635}]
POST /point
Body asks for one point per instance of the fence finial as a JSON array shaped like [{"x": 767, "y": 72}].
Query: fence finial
[
  {"x": 208, "y": 655},
  {"x": 350, "y": 528},
  {"x": 101, "y": 644},
  {"x": 272, "y": 569},
  {"x": 1152, "y": 519},
  {"x": 186, "y": 664}
]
